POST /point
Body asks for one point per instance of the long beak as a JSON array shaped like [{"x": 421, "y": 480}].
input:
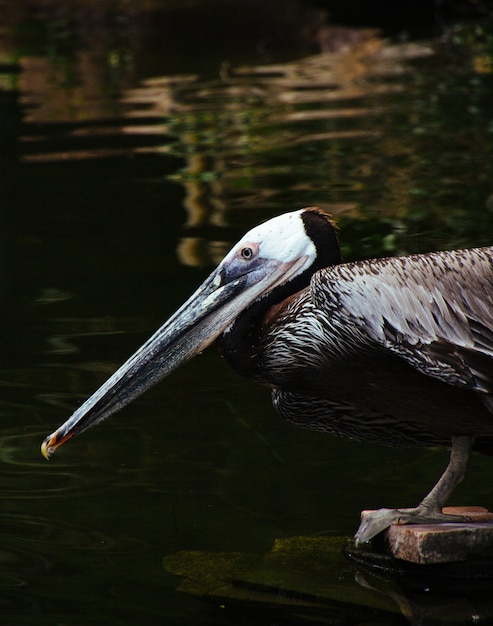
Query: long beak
[{"x": 205, "y": 315}]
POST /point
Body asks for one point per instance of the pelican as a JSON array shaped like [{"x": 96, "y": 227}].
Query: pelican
[{"x": 392, "y": 350}]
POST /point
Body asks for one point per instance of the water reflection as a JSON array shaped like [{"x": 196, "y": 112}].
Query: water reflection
[
  {"x": 451, "y": 602},
  {"x": 242, "y": 133},
  {"x": 353, "y": 131}
]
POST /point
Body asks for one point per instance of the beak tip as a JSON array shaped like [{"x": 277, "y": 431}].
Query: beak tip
[{"x": 47, "y": 449}]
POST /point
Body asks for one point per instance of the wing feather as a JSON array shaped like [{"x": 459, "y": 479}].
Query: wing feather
[{"x": 434, "y": 310}]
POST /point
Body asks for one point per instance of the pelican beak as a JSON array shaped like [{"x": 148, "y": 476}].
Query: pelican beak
[{"x": 205, "y": 315}]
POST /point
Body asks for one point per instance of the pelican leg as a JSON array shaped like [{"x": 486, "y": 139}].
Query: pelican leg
[{"x": 429, "y": 510}]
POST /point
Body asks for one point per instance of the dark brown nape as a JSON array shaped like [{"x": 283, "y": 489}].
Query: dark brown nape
[{"x": 322, "y": 231}]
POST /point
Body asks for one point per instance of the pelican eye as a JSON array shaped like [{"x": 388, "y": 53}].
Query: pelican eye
[{"x": 246, "y": 253}]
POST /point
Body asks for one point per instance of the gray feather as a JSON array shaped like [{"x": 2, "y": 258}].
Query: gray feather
[{"x": 435, "y": 310}]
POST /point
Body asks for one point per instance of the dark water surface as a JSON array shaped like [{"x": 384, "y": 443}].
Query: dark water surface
[{"x": 135, "y": 147}]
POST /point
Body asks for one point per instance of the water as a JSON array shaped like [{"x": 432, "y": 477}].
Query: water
[{"x": 132, "y": 157}]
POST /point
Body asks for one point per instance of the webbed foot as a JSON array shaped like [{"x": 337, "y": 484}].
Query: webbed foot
[{"x": 375, "y": 522}]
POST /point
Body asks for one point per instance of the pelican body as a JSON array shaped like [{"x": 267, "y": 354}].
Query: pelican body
[{"x": 396, "y": 351}]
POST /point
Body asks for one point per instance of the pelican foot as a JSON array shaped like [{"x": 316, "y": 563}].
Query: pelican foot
[{"x": 377, "y": 521}]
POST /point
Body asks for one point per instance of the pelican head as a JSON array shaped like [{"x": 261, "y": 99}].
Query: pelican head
[{"x": 278, "y": 256}]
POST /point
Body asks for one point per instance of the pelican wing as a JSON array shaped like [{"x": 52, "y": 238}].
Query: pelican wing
[{"x": 433, "y": 310}]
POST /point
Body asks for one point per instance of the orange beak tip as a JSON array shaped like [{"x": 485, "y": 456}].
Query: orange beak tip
[
  {"x": 54, "y": 441},
  {"x": 47, "y": 448}
]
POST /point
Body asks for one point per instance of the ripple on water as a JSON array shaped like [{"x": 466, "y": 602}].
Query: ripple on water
[{"x": 27, "y": 475}]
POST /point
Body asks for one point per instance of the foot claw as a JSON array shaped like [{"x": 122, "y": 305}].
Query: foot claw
[{"x": 374, "y": 523}]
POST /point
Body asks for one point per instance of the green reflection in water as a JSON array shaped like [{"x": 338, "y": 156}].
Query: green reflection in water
[{"x": 395, "y": 141}]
